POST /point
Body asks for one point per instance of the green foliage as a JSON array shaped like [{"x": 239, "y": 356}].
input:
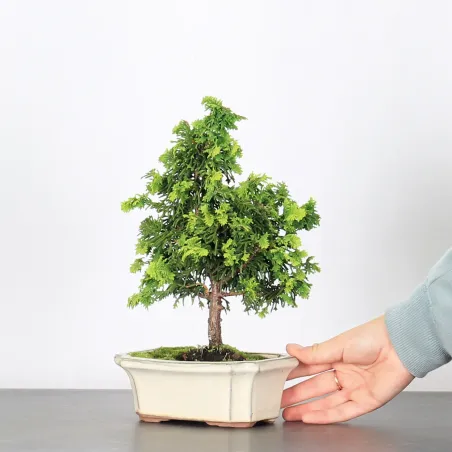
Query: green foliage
[{"x": 206, "y": 227}]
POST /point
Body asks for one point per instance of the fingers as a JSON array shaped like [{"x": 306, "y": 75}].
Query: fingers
[
  {"x": 327, "y": 352},
  {"x": 341, "y": 413},
  {"x": 306, "y": 370},
  {"x": 314, "y": 387},
  {"x": 296, "y": 413},
  {"x": 341, "y": 406}
]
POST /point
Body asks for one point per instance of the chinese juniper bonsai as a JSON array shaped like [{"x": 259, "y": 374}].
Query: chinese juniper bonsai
[{"x": 208, "y": 237}]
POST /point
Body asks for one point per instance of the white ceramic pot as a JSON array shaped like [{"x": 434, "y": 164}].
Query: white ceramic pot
[{"x": 230, "y": 394}]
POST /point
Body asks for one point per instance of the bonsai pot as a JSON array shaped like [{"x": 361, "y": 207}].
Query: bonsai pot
[
  {"x": 226, "y": 394},
  {"x": 210, "y": 239}
]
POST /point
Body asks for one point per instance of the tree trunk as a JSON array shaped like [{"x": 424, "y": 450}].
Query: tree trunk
[{"x": 215, "y": 308}]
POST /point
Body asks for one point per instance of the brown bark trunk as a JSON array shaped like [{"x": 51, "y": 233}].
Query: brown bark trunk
[{"x": 215, "y": 309}]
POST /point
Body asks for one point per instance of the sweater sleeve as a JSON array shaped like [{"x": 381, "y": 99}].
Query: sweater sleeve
[{"x": 420, "y": 328}]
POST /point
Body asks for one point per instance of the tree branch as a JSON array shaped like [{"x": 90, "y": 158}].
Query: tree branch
[
  {"x": 240, "y": 269},
  {"x": 231, "y": 294},
  {"x": 206, "y": 289},
  {"x": 249, "y": 260}
]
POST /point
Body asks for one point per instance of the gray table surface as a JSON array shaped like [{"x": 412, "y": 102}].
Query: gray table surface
[{"x": 100, "y": 421}]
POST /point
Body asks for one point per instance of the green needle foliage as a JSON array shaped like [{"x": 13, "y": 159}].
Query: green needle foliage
[{"x": 209, "y": 237}]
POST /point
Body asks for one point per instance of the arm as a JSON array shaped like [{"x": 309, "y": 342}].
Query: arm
[
  {"x": 421, "y": 328},
  {"x": 375, "y": 361}
]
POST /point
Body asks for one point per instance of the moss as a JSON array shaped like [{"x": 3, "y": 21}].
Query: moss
[
  {"x": 213, "y": 354},
  {"x": 168, "y": 353}
]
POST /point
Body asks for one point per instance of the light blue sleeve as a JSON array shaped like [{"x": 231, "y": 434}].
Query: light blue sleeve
[{"x": 420, "y": 328}]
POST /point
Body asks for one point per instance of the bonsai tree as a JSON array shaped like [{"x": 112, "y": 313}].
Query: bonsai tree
[{"x": 209, "y": 237}]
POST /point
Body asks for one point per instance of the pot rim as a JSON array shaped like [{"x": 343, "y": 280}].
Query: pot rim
[{"x": 271, "y": 357}]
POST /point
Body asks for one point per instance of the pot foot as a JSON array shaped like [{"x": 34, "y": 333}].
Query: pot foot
[
  {"x": 154, "y": 419},
  {"x": 232, "y": 424},
  {"x": 157, "y": 419},
  {"x": 269, "y": 421}
]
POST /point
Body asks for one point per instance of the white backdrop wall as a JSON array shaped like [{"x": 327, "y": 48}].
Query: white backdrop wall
[{"x": 349, "y": 102}]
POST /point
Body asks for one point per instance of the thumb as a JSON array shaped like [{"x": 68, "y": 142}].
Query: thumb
[{"x": 327, "y": 352}]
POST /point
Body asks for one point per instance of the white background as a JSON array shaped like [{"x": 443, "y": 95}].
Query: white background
[{"x": 349, "y": 102}]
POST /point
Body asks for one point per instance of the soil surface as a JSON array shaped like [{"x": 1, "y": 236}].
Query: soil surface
[
  {"x": 204, "y": 353},
  {"x": 211, "y": 354}
]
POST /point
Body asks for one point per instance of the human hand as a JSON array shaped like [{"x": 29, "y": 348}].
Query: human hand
[{"x": 367, "y": 368}]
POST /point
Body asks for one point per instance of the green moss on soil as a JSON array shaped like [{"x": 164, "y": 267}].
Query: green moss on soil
[{"x": 206, "y": 354}]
